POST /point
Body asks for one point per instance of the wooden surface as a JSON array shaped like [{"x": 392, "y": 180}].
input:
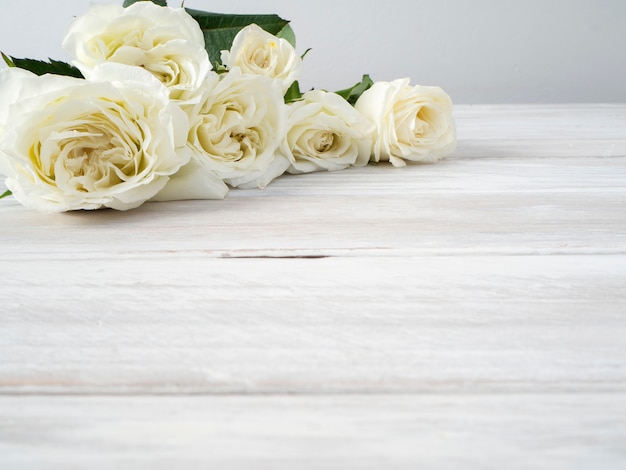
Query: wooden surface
[{"x": 469, "y": 314}]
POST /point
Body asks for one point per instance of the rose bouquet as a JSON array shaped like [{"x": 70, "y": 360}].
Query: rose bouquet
[{"x": 164, "y": 104}]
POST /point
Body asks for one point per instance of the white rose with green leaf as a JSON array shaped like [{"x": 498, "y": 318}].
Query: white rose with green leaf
[
  {"x": 326, "y": 133},
  {"x": 236, "y": 124},
  {"x": 69, "y": 144},
  {"x": 414, "y": 123},
  {"x": 167, "y": 42},
  {"x": 257, "y": 52}
]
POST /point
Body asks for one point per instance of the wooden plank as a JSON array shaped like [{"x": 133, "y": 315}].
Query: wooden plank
[
  {"x": 515, "y": 206},
  {"x": 551, "y": 122},
  {"x": 418, "y": 324},
  {"x": 525, "y": 150},
  {"x": 391, "y": 432}
]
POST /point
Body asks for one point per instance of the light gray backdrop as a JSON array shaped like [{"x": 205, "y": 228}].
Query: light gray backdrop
[{"x": 480, "y": 51}]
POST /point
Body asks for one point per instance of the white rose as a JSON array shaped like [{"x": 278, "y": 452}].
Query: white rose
[
  {"x": 167, "y": 42},
  {"x": 69, "y": 144},
  {"x": 414, "y": 123},
  {"x": 257, "y": 52},
  {"x": 236, "y": 126},
  {"x": 326, "y": 133}
]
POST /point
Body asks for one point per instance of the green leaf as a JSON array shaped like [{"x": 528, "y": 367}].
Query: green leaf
[
  {"x": 40, "y": 67},
  {"x": 352, "y": 94},
  {"x": 5, "y": 194},
  {"x": 305, "y": 53},
  {"x": 287, "y": 33},
  {"x": 293, "y": 93},
  {"x": 220, "y": 29},
  {"x": 7, "y": 60},
  {"x": 128, "y": 3}
]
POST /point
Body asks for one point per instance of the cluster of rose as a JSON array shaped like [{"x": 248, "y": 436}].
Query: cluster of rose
[{"x": 150, "y": 116}]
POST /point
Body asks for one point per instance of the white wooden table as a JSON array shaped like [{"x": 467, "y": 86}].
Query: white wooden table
[{"x": 469, "y": 314}]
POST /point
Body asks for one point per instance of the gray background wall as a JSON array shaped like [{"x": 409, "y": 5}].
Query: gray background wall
[{"x": 480, "y": 51}]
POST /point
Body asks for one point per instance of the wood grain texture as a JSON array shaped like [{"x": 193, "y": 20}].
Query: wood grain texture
[
  {"x": 555, "y": 205},
  {"x": 474, "y": 432},
  {"x": 467, "y": 314},
  {"x": 204, "y": 325}
]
